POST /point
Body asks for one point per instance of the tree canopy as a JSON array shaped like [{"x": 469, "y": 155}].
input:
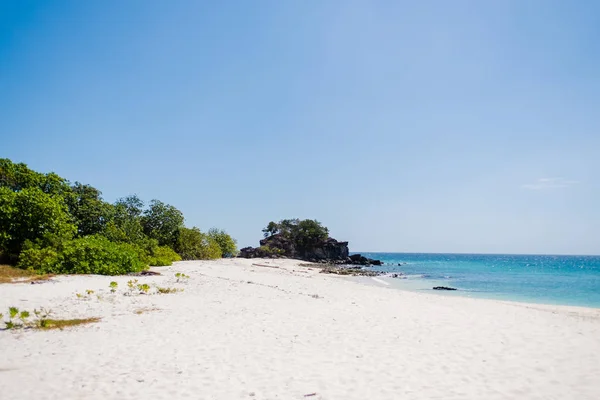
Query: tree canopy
[
  {"x": 48, "y": 224},
  {"x": 303, "y": 233}
]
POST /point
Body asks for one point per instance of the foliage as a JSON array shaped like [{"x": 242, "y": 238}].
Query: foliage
[
  {"x": 98, "y": 255},
  {"x": 192, "y": 244},
  {"x": 162, "y": 222},
  {"x": 227, "y": 244},
  {"x": 113, "y": 286},
  {"x": 65, "y": 323},
  {"x": 132, "y": 285},
  {"x": 271, "y": 251},
  {"x": 90, "y": 212},
  {"x": 161, "y": 256},
  {"x": 49, "y": 225},
  {"x": 87, "y": 255},
  {"x": 39, "y": 259},
  {"x": 17, "y": 177},
  {"x": 143, "y": 288},
  {"x": 21, "y": 320},
  {"x": 32, "y": 215},
  {"x": 271, "y": 229},
  {"x": 181, "y": 276},
  {"x": 304, "y": 233},
  {"x": 125, "y": 224},
  {"x": 167, "y": 290}
]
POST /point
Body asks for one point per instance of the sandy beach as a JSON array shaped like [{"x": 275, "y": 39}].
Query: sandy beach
[{"x": 242, "y": 331}]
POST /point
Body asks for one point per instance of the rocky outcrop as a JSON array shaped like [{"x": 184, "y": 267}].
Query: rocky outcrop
[
  {"x": 328, "y": 251},
  {"x": 444, "y": 288},
  {"x": 360, "y": 260},
  {"x": 352, "y": 271}
]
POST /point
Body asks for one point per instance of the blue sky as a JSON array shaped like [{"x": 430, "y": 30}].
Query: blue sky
[{"x": 433, "y": 126}]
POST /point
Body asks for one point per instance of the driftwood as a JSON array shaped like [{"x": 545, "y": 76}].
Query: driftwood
[{"x": 263, "y": 265}]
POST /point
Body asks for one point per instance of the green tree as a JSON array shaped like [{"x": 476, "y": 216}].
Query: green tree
[
  {"x": 310, "y": 232},
  {"x": 227, "y": 244},
  {"x": 17, "y": 177},
  {"x": 30, "y": 215},
  {"x": 271, "y": 229},
  {"x": 125, "y": 224},
  {"x": 90, "y": 212},
  {"x": 192, "y": 244},
  {"x": 162, "y": 222}
]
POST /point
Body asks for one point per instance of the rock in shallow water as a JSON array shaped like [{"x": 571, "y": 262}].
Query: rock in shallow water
[{"x": 444, "y": 288}]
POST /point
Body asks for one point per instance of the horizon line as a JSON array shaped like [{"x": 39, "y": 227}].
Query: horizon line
[{"x": 477, "y": 254}]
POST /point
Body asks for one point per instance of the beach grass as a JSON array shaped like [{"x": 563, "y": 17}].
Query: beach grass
[
  {"x": 47, "y": 324},
  {"x": 10, "y": 274}
]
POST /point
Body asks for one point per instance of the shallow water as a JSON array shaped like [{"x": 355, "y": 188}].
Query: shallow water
[{"x": 548, "y": 279}]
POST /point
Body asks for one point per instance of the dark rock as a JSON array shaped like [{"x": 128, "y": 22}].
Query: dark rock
[
  {"x": 349, "y": 270},
  {"x": 328, "y": 251},
  {"x": 145, "y": 273},
  {"x": 444, "y": 288}
]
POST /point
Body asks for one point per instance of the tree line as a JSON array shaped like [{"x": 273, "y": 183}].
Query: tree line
[{"x": 50, "y": 225}]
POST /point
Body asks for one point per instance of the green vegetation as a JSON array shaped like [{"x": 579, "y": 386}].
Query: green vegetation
[
  {"x": 226, "y": 243},
  {"x": 48, "y": 225},
  {"x": 21, "y": 319},
  {"x": 271, "y": 251},
  {"x": 10, "y": 274},
  {"x": 195, "y": 245},
  {"x": 303, "y": 233}
]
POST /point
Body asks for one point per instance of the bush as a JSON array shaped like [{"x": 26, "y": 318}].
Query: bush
[
  {"x": 195, "y": 245},
  {"x": 162, "y": 256},
  {"x": 87, "y": 255},
  {"x": 226, "y": 243},
  {"x": 38, "y": 259},
  {"x": 268, "y": 251}
]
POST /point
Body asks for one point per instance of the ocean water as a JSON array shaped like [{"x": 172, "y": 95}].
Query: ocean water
[{"x": 547, "y": 279}]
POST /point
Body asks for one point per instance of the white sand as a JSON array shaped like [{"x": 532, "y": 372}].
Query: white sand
[{"x": 244, "y": 332}]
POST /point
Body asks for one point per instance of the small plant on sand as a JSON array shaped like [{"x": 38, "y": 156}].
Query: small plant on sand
[
  {"x": 162, "y": 290},
  {"x": 132, "y": 286},
  {"x": 20, "y": 319},
  {"x": 113, "y": 286},
  {"x": 181, "y": 277},
  {"x": 65, "y": 323},
  {"x": 144, "y": 288},
  {"x": 88, "y": 294},
  {"x": 16, "y": 318}
]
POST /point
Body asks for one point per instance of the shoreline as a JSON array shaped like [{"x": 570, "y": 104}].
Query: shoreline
[
  {"x": 266, "y": 329},
  {"x": 462, "y": 293}
]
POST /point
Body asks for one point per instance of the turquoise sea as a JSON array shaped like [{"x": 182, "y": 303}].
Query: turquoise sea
[{"x": 548, "y": 279}]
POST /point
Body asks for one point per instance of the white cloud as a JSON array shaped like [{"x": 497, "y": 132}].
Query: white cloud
[{"x": 549, "y": 183}]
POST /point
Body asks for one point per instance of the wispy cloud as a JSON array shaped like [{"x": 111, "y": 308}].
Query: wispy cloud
[{"x": 549, "y": 183}]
